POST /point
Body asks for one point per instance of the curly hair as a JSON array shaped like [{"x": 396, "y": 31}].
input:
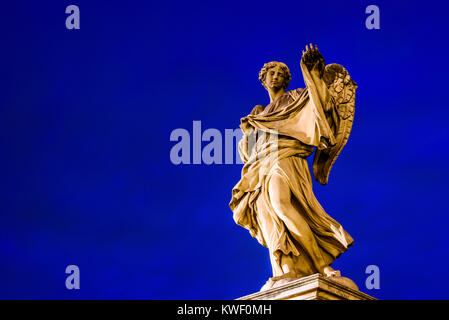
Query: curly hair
[{"x": 267, "y": 66}]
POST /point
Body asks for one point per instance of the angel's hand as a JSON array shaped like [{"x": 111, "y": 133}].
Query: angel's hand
[{"x": 313, "y": 59}]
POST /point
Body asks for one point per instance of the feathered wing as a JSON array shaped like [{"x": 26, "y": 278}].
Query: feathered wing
[{"x": 342, "y": 93}]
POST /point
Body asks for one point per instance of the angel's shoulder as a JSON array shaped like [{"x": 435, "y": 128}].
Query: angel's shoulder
[
  {"x": 257, "y": 109},
  {"x": 296, "y": 93}
]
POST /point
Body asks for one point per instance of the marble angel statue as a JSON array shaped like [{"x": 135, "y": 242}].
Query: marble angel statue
[{"x": 274, "y": 199}]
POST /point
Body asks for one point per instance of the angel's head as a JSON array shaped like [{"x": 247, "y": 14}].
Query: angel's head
[{"x": 275, "y": 75}]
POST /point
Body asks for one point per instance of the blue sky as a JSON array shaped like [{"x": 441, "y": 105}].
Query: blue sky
[{"x": 86, "y": 117}]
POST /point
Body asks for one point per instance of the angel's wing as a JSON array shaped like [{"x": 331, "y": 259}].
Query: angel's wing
[{"x": 342, "y": 90}]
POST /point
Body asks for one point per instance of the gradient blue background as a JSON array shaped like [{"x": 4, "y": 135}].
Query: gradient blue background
[{"x": 86, "y": 117}]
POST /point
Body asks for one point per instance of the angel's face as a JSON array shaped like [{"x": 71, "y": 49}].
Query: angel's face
[{"x": 275, "y": 78}]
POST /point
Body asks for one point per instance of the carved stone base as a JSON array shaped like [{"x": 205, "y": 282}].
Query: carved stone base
[{"x": 314, "y": 287}]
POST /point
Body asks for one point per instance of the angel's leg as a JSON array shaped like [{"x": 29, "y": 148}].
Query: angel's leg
[{"x": 280, "y": 198}]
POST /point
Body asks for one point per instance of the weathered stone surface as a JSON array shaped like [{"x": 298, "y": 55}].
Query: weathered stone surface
[{"x": 314, "y": 287}]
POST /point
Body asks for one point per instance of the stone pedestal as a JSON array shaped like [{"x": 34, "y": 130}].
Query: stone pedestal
[{"x": 314, "y": 287}]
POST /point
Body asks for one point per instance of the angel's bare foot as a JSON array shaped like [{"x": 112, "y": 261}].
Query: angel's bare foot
[{"x": 329, "y": 272}]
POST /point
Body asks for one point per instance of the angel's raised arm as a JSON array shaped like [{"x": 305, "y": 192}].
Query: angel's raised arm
[{"x": 313, "y": 61}]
